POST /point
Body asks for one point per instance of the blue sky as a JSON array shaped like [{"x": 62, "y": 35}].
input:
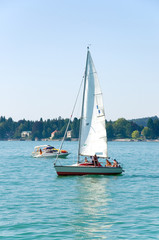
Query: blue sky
[{"x": 43, "y": 53}]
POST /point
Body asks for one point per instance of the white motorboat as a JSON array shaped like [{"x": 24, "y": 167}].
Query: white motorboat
[{"x": 48, "y": 151}]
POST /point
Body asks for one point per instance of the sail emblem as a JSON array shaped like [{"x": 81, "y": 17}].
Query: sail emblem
[{"x": 98, "y": 109}]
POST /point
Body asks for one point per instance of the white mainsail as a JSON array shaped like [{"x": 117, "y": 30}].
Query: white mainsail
[{"x": 93, "y": 137}]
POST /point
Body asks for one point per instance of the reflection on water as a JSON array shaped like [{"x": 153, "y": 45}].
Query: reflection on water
[{"x": 93, "y": 198}]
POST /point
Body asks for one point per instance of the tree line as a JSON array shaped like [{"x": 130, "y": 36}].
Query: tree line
[
  {"x": 42, "y": 129},
  {"x": 10, "y": 129}
]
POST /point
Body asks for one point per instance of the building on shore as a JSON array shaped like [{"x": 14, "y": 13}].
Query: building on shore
[{"x": 25, "y": 134}]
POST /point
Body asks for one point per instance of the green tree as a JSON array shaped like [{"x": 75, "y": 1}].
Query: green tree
[
  {"x": 18, "y": 131},
  {"x": 44, "y": 134},
  {"x": 2, "y": 131},
  {"x": 2, "y": 119},
  {"x": 49, "y": 131},
  {"x": 156, "y": 128},
  {"x": 120, "y": 128},
  {"x": 110, "y": 130},
  {"x": 146, "y": 132},
  {"x": 135, "y": 134},
  {"x": 37, "y": 129},
  {"x": 150, "y": 125},
  {"x": 61, "y": 123},
  {"x": 75, "y": 128}
]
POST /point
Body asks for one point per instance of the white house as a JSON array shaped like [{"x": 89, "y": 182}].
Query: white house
[
  {"x": 25, "y": 134},
  {"x": 69, "y": 134}
]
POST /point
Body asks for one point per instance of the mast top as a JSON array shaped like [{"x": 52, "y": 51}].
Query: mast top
[{"x": 88, "y": 47}]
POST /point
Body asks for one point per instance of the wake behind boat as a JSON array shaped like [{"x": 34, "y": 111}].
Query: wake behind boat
[
  {"x": 92, "y": 133},
  {"x": 48, "y": 151}
]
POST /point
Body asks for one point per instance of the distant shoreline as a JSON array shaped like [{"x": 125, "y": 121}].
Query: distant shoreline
[
  {"x": 76, "y": 139},
  {"x": 133, "y": 140}
]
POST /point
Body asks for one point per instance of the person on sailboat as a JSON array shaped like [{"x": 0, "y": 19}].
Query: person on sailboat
[
  {"x": 108, "y": 163},
  {"x": 85, "y": 160},
  {"x": 95, "y": 160},
  {"x": 115, "y": 163}
]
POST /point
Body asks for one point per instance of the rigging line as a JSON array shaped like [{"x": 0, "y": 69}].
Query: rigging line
[{"x": 69, "y": 121}]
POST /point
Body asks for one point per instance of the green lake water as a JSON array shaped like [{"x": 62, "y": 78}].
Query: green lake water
[{"x": 37, "y": 204}]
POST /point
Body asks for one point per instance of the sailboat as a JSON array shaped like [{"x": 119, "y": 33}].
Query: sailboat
[{"x": 92, "y": 133}]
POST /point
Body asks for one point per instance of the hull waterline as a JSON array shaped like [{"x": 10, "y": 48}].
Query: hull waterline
[
  {"x": 50, "y": 155},
  {"x": 77, "y": 170}
]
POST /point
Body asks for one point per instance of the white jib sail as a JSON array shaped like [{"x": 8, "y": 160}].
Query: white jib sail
[{"x": 93, "y": 138}]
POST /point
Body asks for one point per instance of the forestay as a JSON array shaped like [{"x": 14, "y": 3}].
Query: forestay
[{"x": 93, "y": 138}]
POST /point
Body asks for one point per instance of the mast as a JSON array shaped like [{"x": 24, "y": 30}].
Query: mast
[
  {"x": 85, "y": 75},
  {"x": 92, "y": 135}
]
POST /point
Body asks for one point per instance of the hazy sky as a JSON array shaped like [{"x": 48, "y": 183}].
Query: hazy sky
[{"x": 43, "y": 46}]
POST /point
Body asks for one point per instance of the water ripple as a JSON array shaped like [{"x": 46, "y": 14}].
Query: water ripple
[{"x": 36, "y": 204}]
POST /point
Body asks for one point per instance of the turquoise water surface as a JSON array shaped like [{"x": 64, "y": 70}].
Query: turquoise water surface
[{"x": 37, "y": 204}]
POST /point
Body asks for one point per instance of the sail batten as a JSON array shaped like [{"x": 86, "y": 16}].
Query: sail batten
[{"x": 93, "y": 138}]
